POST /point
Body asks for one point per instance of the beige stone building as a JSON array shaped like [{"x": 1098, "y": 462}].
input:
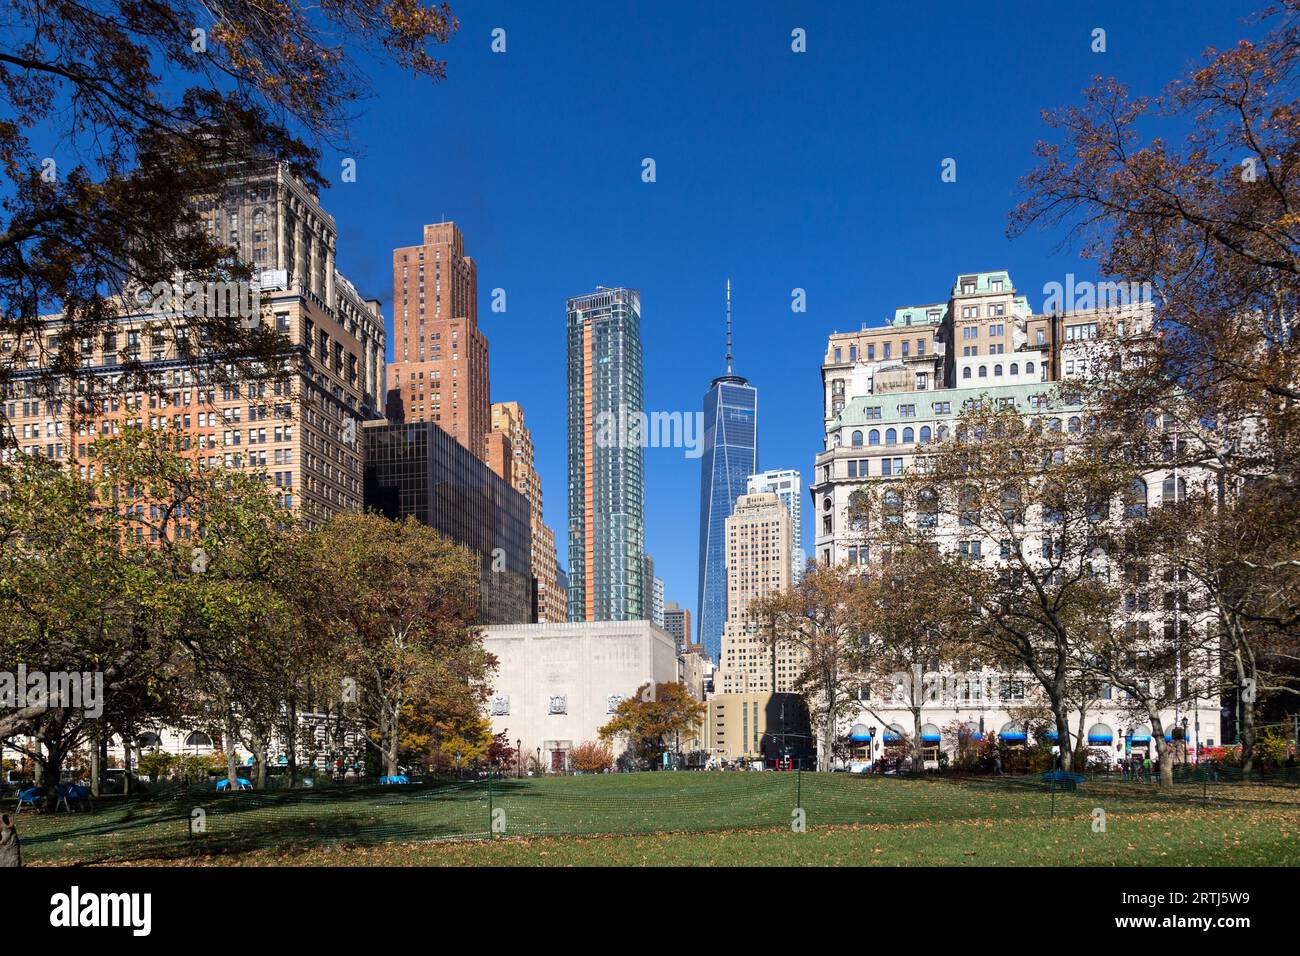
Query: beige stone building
[
  {"x": 757, "y": 725},
  {"x": 510, "y": 455},
  {"x": 758, "y": 544},
  {"x": 298, "y": 425}
]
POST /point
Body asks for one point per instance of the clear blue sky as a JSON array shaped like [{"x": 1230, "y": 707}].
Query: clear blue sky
[{"x": 818, "y": 170}]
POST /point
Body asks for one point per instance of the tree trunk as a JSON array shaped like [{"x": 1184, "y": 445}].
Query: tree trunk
[
  {"x": 232, "y": 768},
  {"x": 1164, "y": 753},
  {"x": 918, "y": 750},
  {"x": 390, "y": 748},
  {"x": 1063, "y": 736},
  {"x": 259, "y": 759},
  {"x": 49, "y": 767},
  {"x": 96, "y": 769},
  {"x": 291, "y": 744},
  {"x": 1247, "y": 733}
]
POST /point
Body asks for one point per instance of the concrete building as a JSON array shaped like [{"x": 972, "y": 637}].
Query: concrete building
[
  {"x": 677, "y": 622},
  {"x": 440, "y": 368},
  {"x": 606, "y": 457},
  {"x": 875, "y": 431},
  {"x": 558, "y": 684},
  {"x": 759, "y": 726},
  {"x": 758, "y": 564},
  {"x": 510, "y": 455},
  {"x": 788, "y": 486},
  {"x": 417, "y": 469},
  {"x": 730, "y": 457},
  {"x": 297, "y": 427}
]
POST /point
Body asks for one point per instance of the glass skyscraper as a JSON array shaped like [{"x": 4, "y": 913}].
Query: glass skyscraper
[
  {"x": 606, "y": 458},
  {"x": 730, "y": 457}
]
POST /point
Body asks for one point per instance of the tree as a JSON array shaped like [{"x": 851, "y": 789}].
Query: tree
[
  {"x": 1212, "y": 228},
  {"x": 653, "y": 719},
  {"x": 909, "y": 630},
  {"x": 591, "y": 757},
  {"x": 1019, "y": 518},
  {"x": 153, "y": 105},
  {"x": 823, "y": 619},
  {"x": 398, "y": 601}
]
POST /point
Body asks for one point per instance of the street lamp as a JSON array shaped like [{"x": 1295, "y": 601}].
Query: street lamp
[{"x": 519, "y": 756}]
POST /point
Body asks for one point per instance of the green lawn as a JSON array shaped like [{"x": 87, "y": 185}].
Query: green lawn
[{"x": 692, "y": 818}]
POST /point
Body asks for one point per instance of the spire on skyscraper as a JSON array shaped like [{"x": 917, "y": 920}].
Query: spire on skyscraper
[{"x": 729, "y": 327}]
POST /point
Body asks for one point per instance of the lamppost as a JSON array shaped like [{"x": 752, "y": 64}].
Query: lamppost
[
  {"x": 871, "y": 747},
  {"x": 539, "y": 759},
  {"x": 519, "y": 756}
]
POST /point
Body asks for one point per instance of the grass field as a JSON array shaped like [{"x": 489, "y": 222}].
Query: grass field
[{"x": 691, "y": 818}]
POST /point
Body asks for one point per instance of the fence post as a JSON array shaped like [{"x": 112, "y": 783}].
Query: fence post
[
  {"x": 1052, "y": 784},
  {"x": 798, "y": 788},
  {"x": 491, "y": 829}
]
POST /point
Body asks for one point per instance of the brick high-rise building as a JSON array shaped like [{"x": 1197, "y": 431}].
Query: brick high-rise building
[
  {"x": 510, "y": 455},
  {"x": 439, "y": 371}
]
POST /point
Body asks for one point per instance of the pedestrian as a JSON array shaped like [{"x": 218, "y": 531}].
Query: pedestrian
[
  {"x": 997, "y": 764},
  {"x": 1290, "y": 766},
  {"x": 1146, "y": 769}
]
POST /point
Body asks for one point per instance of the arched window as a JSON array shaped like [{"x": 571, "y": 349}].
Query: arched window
[
  {"x": 857, "y": 438},
  {"x": 1029, "y": 368},
  {"x": 943, "y": 432},
  {"x": 1074, "y": 423},
  {"x": 927, "y": 508},
  {"x": 968, "y": 503},
  {"x": 965, "y": 373},
  {"x": 908, "y": 436},
  {"x": 859, "y": 510},
  {"x": 1136, "y": 506},
  {"x": 925, "y": 433},
  {"x": 198, "y": 739},
  {"x": 147, "y": 740},
  {"x": 984, "y": 371},
  {"x": 891, "y": 436},
  {"x": 997, "y": 371},
  {"x": 874, "y": 437},
  {"x": 1173, "y": 489},
  {"x": 891, "y": 508},
  {"x": 1055, "y": 425},
  {"x": 1015, "y": 368}
]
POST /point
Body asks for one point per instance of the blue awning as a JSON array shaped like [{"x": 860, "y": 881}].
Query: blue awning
[
  {"x": 1050, "y": 735},
  {"x": 1100, "y": 734},
  {"x": 860, "y": 733},
  {"x": 1142, "y": 735},
  {"x": 893, "y": 734},
  {"x": 931, "y": 734},
  {"x": 1014, "y": 733}
]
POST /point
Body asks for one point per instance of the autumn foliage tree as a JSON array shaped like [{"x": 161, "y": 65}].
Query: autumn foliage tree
[
  {"x": 1209, "y": 216},
  {"x": 653, "y": 720}
]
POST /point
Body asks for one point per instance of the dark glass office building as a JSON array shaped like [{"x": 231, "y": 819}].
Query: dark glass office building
[
  {"x": 730, "y": 457},
  {"x": 418, "y": 469}
]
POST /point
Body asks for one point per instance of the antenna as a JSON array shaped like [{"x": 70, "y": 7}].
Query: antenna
[{"x": 729, "y": 327}]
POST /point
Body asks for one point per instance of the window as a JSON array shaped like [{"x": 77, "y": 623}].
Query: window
[
  {"x": 984, "y": 371},
  {"x": 891, "y": 436},
  {"x": 969, "y": 550},
  {"x": 1015, "y": 368},
  {"x": 908, "y": 436},
  {"x": 997, "y": 371},
  {"x": 1136, "y": 506},
  {"x": 925, "y": 433},
  {"x": 857, "y": 438},
  {"x": 874, "y": 437},
  {"x": 965, "y": 373}
]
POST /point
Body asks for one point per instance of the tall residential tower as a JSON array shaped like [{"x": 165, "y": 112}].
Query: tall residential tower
[{"x": 606, "y": 460}]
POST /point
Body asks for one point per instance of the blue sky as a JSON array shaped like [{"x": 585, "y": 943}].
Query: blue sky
[{"x": 779, "y": 170}]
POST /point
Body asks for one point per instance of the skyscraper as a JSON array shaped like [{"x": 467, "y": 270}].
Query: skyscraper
[
  {"x": 786, "y": 485},
  {"x": 606, "y": 460},
  {"x": 730, "y": 457},
  {"x": 510, "y": 455},
  {"x": 439, "y": 371}
]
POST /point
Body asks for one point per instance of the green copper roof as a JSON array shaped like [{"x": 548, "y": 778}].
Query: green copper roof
[
  {"x": 984, "y": 281},
  {"x": 920, "y": 314}
]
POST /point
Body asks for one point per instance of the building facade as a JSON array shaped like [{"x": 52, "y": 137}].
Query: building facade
[
  {"x": 440, "y": 369},
  {"x": 730, "y": 457},
  {"x": 418, "y": 470},
  {"x": 556, "y": 685},
  {"x": 758, "y": 565},
  {"x": 606, "y": 457},
  {"x": 297, "y": 424},
  {"x": 510, "y": 455},
  {"x": 879, "y": 421},
  {"x": 677, "y": 622},
  {"x": 787, "y": 485}
]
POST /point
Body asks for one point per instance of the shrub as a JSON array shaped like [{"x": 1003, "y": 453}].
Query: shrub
[
  {"x": 155, "y": 764},
  {"x": 591, "y": 757}
]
